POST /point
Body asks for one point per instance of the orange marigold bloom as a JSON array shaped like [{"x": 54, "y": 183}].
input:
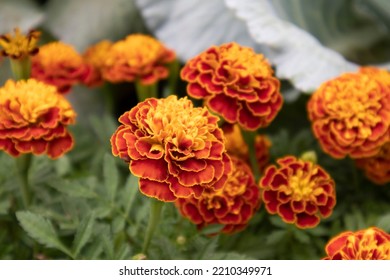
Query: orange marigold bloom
[
  {"x": 236, "y": 83},
  {"x": 367, "y": 244},
  {"x": 236, "y": 145},
  {"x": 377, "y": 168},
  {"x": 137, "y": 57},
  {"x": 232, "y": 206},
  {"x": 300, "y": 192},
  {"x": 95, "y": 56},
  {"x": 19, "y": 46},
  {"x": 176, "y": 150},
  {"x": 33, "y": 119},
  {"x": 351, "y": 114},
  {"x": 60, "y": 65}
]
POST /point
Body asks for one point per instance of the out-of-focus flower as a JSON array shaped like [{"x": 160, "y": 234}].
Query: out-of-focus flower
[
  {"x": 377, "y": 168},
  {"x": 34, "y": 118},
  {"x": 137, "y": 57},
  {"x": 19, "y": 46},
  {"x": 95, "y": 56},
  {"x": 236, "y": 83},
  {"x": 300, "y": 192},
  {"x": 60, "y": 65},
  {"x": 351, "y": 114},
  {"x": 177, "y": 150},
  {"x": 367, "y": 244},
  {"x": 236, "y": 145},
  {"x": 232, "y": 206}
]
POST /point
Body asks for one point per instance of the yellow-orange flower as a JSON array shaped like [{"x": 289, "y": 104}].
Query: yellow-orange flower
[
  {"x": 231, "y": 206},
  {"x": 377, "y": 168},
  {"x": 300, "y": 192},
  {"x": 60, "y": 65},
  {"x": 351, "y": 114},
  {"x": 177, "y": 150},
  {"x": 236, "y": 83},
  {"x": 367, "y": 244},
  {"x": 95, "y": 56},
  {"x": 19, "y": 46},
  {"x": 137, "y": 57},
  {"x": 33, "y": 119}
]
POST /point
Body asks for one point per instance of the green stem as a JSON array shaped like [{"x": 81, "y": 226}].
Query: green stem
[
  {"x": 145, "y": 91},
  {"x": 249, "y": 137},
  {"x": 21, "y": 68},
  {"x": 22, "y": 165},
  {"x": 173, "y": 76},
  {"x": 155, "y": 211}
]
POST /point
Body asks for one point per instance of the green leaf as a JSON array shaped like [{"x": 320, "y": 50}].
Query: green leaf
[
  {"x": 40, "y": 229},
  {"x": 110, "y": 176},
  {"x": 4, "y": 206},
  {"x": 275, "y": 237},
  {"x": 75, "y": 188},
  {"x": 384, "y": 222},
  {"x": 83, "y": 233},
  {"x": 63, "y": 165},
  {"x": 129, "y": 193}
]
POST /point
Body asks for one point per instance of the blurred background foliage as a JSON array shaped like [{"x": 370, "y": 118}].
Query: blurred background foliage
[{"x": 87, "y": 205}]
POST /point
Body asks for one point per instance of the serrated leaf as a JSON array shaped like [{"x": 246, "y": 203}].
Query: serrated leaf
[
  {"x": 275, "y": 237},
  {"x": 129, "y": 193},
  {"x": 110, "y": 176},
  {"x": 384, "y": 222},
  {"x": 73, "y": 188},
  {"x": 41, "y": 230},
  {"x": 83, "y": 234},
  {"x": 63, "y": 165}
]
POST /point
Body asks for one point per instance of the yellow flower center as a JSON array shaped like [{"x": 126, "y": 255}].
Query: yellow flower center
[
  {"x": 32, "y": 99},
  {"x": 52, "y": 54},
  {"x": 19, "y": 45}
]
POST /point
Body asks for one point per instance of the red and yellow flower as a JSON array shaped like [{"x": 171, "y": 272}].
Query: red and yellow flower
[
  {"x": 19, "y": 46},
  {"x": 377, "y": 168},
  {"x": 95, "y": 56},
  {"x": 137, "y": 57},
  {"x": 351, "y": 114},
  {"x": 60, "y": 65},
  {"x": 231, "y": 206},
  {"x": 236, "y": 83},
  {"x": 367, "y": 244},
  {"x": 177, "y": 150},
  {"x": 33, "y": 119},
  {"x": 299, "y": 191}
]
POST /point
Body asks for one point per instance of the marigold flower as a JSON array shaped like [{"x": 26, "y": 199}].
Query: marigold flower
[
  {"x": 377, "y": 168},
  {"x": 236, "y": 145},
  {"x": 33, "y": 119},
  {"x": 60, "y": 65},
  {"x": 367, "y": 244},
  {"x": 236, "y": 83},
  {"x": 351, "y": 114},
  {"x": 300, "y": 192},
  {"x": 176, "y": 150},
  {"x": 232, "y": 206},
  {"x": 137, "y": 57},
  {"x": 95, "y": 56},
  {"x": 19, "y": 46}
]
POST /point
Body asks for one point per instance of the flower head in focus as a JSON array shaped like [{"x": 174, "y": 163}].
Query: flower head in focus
[
  {"x": 300, "y": 192},
  {"x": 19, "y": 46},
  {"x": 232, "y": 206},
  {"x": 34, "y": 119},
  {"x": 236, "y": 83},
  {"x": 95, "y": 56},
  {"x": 377, "y": 168},
  {"x": 350, "y": 114},
  {"x": 60, "y": 65},
  {"x": 367, "y": 244},
  {"x": 177, "y": 150},
  {"x": 137, "y": 57}
]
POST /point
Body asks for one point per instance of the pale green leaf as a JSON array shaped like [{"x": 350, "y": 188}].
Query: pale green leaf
[
  {"x": 75, "y": 188},
  {"x": 384, "y": 222},
  {"x": 83, "y": 234},
  {"x": 129, "y": 193},
  {"x": 110, "y": 176}
]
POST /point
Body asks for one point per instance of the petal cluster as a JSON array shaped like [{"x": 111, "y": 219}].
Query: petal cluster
[
  {"x": 300, "y": 192},
  {"x": 19, "y": 46},
  {"x": 34, "y": 119},
  {"x": 137, "y": 57},
  {"x": 367, "y": 244},
  {"x": 177, "y": 150},
  {"x": 377, "y": 168},
  {"x": 232, "y": 206},
  {"x": 236, "y": 83},
  {"x": 60, "y": 65},
  {"x": 350, "y": 114}
]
